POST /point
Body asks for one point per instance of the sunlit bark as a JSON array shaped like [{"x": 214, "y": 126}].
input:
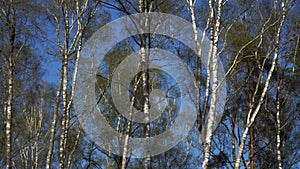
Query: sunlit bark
[
  {"x": 68, "y": 44},
  {"x": 252, "y": 116},
  {"x": 10, "y": 16},
  {"x": 215, "y": 61}
]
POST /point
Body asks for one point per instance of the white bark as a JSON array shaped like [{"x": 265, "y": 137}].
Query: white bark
[
  {"x": 145, "y": 75},
  {"x": 9, "y": 114},
  {"x": 53, "y": 124},
  {"x": 191, "y": 4},
  {"x": 68, "y": 109},
  {"x": 278, "y": 139},
  {"x": 11, "y": 21},
  {"x": 144, "y": 55},
  {"x": 143, "y": 66},
  {"x": 251, "y": 117},
  {"x": 56, "y": 106},
  {"x": 207, "y": 85},
  {"x": 65, "y": 114},
  {"x": 69, "y": 46},
  {"x": 278, "y": 123},
  {"x": 215, "y": 60},
  {"x": 128, "y": 130}
]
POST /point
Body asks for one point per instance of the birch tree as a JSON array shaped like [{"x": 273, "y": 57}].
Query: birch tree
[
  {"x": 9, "y": 19},
  {"x": 251, "y": 116},
  {"x": 70, "y": 20},
  {"x": 278, "y": 121},
  {"x": 20, "y": 62},
  {"x": 214, "y": 39},
  {"x": 257, "y": 40}
]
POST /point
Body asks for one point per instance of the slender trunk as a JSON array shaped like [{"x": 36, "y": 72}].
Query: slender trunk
[
  {"x": 145, "y": 78},
  {"x": 261, "y": 100},
  {"x": 128, "y": 130},
  {"x": 278, "y": 122},
  {"x": 251, "y": 144},
  {"x": 53, "y": 123},
  {"x": 207, "y": 85},
  {"x": 125, "y": 149},
  {"x": 9, "y": 113},
  {"x": 67, "y": 48},
  {"x": 201, "y": 115},
  {"x": 11, "y": 67},
  {"x": 251, "y": 147},
  {"x": 211, "y": 114},
  {"x": 56, "y": 106},
  {"x": 232, "y": 125},
  {"x": 65, "y": 113},
  {"x": 143, "y": 8},
  {"x": 144, "y": 60},
  {"x": 73, "y": 148},
  {"x": 64, "y": 122},
  {"x": 68, "y": 106},
  {"x": 38, "y": 133}
]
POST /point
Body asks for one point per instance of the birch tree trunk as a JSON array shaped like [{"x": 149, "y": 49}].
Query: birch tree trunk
[
  {"x": 56, "y": 106},
  {"x": 68, "y": 107},
  {"x": 278, "y": 121},
  {"x": 251, "y": 142},
  {"x": 70, "y": 45},
  {"x": 53, "y": 124},
  {"x": 64, "y": 121},
  {"x": 129, "y": 125},
  {"x": 11, "y": 23},
  {"x": 215, "y": 60},
  {"x": 143, "y": 8},
  {"x": 145, "y": 78},
  {"x": 143, "y": 65},
  {"x": 251, "y": 117},
  {"x": 201, "y": 114},
  {"x": 9, "y": 106}
]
